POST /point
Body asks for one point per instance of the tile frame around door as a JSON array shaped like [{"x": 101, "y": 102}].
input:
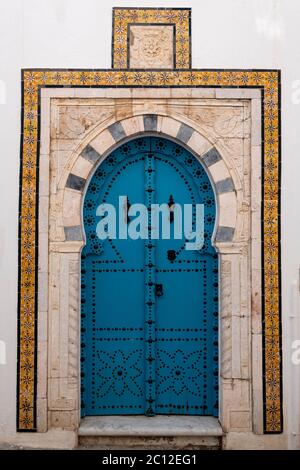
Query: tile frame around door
[{"x": 268, "y": 81}]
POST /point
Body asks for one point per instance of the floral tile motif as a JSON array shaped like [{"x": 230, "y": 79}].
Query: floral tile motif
[
  {"x": 32, "y": 81},
  {"x": 180, "y": 18}
]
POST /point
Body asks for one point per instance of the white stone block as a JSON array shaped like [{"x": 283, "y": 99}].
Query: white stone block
[
  {"x": 199, "y": 144},
  {"x": 227, "y": 209},
  {"x": 219, "y": 171},
  {"x": 133, "y": 125},
  {"x": 45, "y": 127},
  {"x": 72, "y": 208},
  {"x": 236, "y": 347},
  {"x": 44, "y": 175},
  {"x": 240, "y": 420},
  {"x": 64, "y": 419},
  {"x": 103, "y": 142},
  {"x": 170, "y": 126},
  {"x": 257, "y": 390},
  {"x": 255, "y": 225},
  {"x": 256, "y": 122},
  {"x": 43, "y": 291},
  {"x": 238, "y": 93},
  {"x": 43, "y": 252},
  {"x": 203, "y": 93},
  {"x": 82, "y": 167},
  {"x": 42, "y": 369},
  {"x": 43, "y": 214},
  {"x": 58, "y": 92},
  {"x": 42, "y": 415}
]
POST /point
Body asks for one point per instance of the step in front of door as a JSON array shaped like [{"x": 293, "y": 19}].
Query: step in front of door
[{"x": 159, "y": 432}]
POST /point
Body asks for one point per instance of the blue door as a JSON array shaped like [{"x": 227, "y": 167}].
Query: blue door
[{"x": 149, "y": 306}]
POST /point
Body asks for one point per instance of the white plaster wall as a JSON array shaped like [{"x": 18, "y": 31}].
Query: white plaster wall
[{"x": 76, "y": 33}]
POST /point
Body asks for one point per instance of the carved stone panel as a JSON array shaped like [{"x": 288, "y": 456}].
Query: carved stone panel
[{"x": 151, "y": 47}]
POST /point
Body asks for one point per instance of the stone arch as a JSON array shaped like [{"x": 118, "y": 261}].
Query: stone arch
[
  {"x": 234, "y": 247},
  {"x": 91, "y": 153}
]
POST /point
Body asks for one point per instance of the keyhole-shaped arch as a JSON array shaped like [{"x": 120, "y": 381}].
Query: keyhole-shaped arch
[{"x": 104, "y": 140}]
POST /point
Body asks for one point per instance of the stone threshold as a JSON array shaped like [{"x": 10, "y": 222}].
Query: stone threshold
[{"x": 150, "y": 426}]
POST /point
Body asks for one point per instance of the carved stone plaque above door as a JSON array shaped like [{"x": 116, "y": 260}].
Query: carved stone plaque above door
[
  {"x": 151, "y": 38},
  {"x": 151, "y": 47}
]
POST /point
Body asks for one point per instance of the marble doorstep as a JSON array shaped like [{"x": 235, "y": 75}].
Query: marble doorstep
[{"x": 154, "y": 426}]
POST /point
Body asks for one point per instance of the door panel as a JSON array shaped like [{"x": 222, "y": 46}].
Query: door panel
[
  {"x": 184, "y": 313},
  {"x": 113, "y": 296},
  {"x": 149, "y": 307}
]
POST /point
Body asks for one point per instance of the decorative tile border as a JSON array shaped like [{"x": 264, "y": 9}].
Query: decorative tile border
[
  {"x": 32, "y": 80},
  {"x": 123, "y": 18}
]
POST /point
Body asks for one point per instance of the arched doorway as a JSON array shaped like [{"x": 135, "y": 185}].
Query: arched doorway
[{"x": 149, "y": 306}]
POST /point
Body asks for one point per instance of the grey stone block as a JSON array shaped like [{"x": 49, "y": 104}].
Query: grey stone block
[
  {"x": 150, "y": 122},
  {"x": 211, "y": 157},
  {"x": 75, "y": 182},
  {"x": 90, "y": 154},
  {"x": 184, "y": 133},
  {"x": 225, "y": 234},
  {"x": 117, "y": 131},
  {"x": 73, "y": 233},
  {"x": 225, "y": 186}
]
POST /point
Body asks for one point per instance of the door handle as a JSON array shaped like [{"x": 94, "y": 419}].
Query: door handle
[
  {"x": 159, "y": 291},
  {"x": 128, "y": 205}
]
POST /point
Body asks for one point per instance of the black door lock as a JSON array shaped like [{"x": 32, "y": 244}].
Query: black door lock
[
  {"x": 171, "y": 255},
  {"x": 159, "y": 290}
]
